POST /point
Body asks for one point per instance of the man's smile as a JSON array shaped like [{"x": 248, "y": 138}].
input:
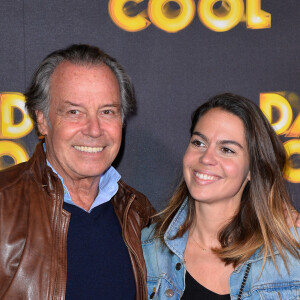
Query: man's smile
[{"x": 89, "y": 149}]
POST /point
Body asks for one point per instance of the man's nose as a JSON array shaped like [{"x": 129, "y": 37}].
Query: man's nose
[{"x": 93, "y": 126}]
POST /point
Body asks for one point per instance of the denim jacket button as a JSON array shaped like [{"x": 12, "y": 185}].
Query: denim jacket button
[
  {"x": 169, "y": 293},
  {"x": 178, "y": 266}
]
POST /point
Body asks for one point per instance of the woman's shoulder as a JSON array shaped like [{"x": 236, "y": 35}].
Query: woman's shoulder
[
  {"x": 296, "y": 234},
  {"x": 288, "y": 268},
  {"x": 269, "y": 280},
  {"x": 147, "y": 235},
  {"x": 259, "y": 257},
  {"x": 150, "y": 243}
]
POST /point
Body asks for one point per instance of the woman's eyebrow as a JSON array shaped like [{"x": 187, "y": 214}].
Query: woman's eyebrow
[
  {"x": 221, "y": 142},
  {"x": 200, "y": 135}
]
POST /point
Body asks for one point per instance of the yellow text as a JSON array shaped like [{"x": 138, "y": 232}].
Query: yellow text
[
  {"x": 279, "y": 113},
  {"x": 10, "y": 103},
  {"x": 216, "y": 15}
]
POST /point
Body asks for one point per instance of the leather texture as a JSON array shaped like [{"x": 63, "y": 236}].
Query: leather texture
[{"x": 34, "y": 227}]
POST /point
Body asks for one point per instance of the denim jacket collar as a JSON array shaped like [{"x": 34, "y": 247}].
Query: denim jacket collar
[{"x": 177, "y": 245}]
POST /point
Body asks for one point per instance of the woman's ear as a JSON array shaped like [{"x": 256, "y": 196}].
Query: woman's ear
[{"x": 249, "y": 176}]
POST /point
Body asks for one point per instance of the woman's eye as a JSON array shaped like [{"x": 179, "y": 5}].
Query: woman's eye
[
  {"x": 197, "y": 143},
  {"x": 227, "y": 150}
]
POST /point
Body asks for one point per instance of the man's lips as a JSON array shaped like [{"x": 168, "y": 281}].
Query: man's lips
[
  {"x": 207, "y": 177},
  {"x": 89, "y": 149}
]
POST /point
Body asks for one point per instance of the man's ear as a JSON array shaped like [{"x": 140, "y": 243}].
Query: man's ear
[{"x": 41, "y": 122}]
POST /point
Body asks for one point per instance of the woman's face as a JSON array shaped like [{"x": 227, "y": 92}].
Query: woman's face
[{"x": 216, "y": 162}]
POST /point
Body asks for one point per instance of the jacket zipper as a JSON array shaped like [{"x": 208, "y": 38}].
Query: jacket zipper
[{"x": 60, "y": 293}]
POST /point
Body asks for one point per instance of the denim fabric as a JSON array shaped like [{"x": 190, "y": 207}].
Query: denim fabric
[{"x": 166, "y": 269}]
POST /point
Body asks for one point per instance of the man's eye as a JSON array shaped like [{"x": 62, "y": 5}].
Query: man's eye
[
  {"x": 73, "y": 112},
  {"x": 107, "y": 112}
]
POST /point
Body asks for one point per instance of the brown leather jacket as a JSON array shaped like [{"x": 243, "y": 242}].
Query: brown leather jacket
[{"x": 34, "y": 226}]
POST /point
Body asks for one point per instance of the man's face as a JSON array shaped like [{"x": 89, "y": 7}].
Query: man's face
[{"x": 85, "y": 130}]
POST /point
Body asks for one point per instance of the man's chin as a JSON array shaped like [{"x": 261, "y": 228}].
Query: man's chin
[{"x": 90, "y": 172}]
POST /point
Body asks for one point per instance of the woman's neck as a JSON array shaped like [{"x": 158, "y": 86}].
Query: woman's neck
[{"x": 209, "y": 220}]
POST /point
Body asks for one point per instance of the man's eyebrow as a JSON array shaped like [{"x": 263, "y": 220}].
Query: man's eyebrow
[
  {"x": 112, "y": 105},
  {"x": 221, "y": 142},
  {"x": 70, "y": 103},
  {"x": 67, "y": 102}
]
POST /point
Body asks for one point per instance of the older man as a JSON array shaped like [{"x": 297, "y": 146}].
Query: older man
[{"x": 69, "y": 226}]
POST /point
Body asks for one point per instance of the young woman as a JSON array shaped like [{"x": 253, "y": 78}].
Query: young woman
[{"x": 224, "y": 233}]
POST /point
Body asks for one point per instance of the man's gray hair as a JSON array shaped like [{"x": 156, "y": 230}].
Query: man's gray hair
[{"x": 38, "y": 93}]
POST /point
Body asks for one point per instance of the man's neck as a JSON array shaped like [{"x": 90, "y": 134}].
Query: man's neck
[{"x": 83, "y": 192}]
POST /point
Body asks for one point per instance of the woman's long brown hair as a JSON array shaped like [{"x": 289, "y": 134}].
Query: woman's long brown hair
[{"x": 260, "y": 221}]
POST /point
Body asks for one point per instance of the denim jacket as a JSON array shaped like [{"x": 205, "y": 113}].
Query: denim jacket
[{"x": 166, "y": 269}]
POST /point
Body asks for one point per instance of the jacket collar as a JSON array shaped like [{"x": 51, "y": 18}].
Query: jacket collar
[
  {"x": 177, "y": 245},
  {"x": 37, "y": 163}
]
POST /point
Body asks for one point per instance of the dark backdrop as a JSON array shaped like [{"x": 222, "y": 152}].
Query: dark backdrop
[{"x": 173, "y": 73}]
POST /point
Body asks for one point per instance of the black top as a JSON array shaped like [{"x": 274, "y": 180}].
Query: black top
[
  {"x": 194, "y": 290},
  {"x": 98, "y": 263}
]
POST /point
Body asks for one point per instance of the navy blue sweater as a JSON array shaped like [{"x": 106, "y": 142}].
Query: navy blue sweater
[{"x": 97, "y": 258}]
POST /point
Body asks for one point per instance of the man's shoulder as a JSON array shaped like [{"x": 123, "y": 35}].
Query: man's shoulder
[
  {"x": 131, "y": 191},
  {"x": 25, "y": 170},
  {"x": 11, "y": 175},
  {"x": 138, "y": 202},
  {"x": 127, "y": 192}
]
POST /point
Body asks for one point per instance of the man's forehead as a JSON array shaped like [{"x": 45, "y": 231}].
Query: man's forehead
[
  {"x": 74, "y": 77},
  {"x": 78, "y": 102},
  {"x": 67, "y": 67},
  {"x": 89, "y": 89}
]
